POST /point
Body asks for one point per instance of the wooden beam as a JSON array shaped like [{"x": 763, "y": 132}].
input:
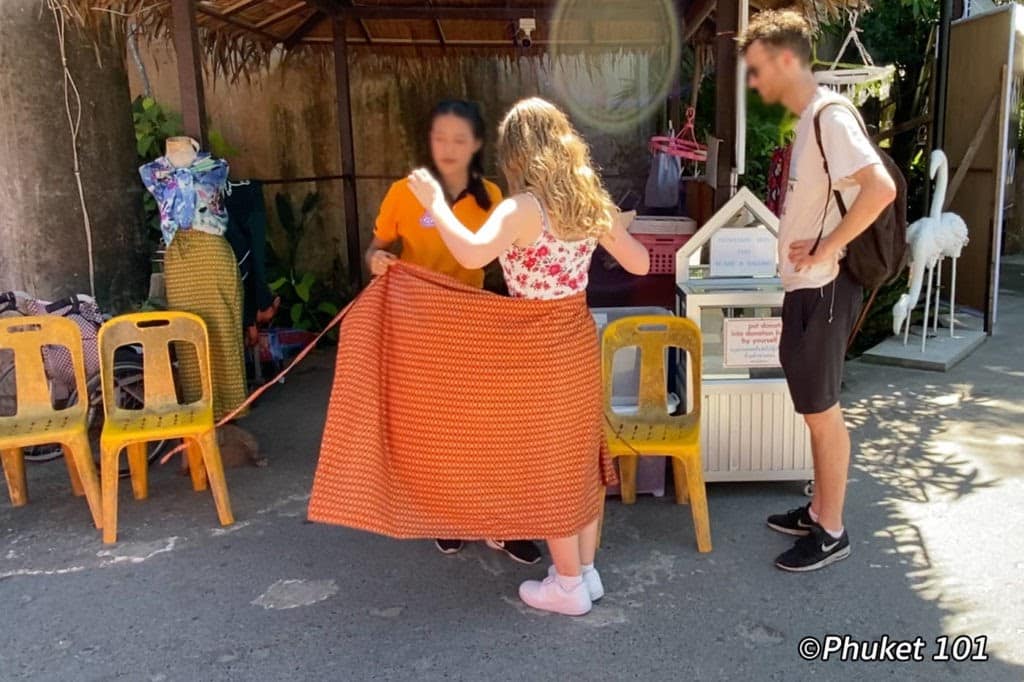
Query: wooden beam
[
  {"x": 972, "y": 151},
  {"x": 942, "y": 74},
  {"x": 469, "y": 12},
  {"x": 912, "y": 124},
  {"x": 497, "y": 44},
  {"x": 385, "y": 12},
  {"x": 696, "y": 14},
  {"x": 328, "y": 7},
  {"x": 348, "y": 159},
  {"x": 366, "y": 31},
  {"x": 440, "y": 31},
  {"x": 304, "y": 29},
  {"x": 283, "y": 14},
  {"x": 238, "y": 23},
  {"x": 239, "y": 6},
  {"x": 727, "y": 15},
  {"x": 190, "y": 71}
]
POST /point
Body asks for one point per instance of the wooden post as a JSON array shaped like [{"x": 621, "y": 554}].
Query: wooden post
[
  {"x": 190, "y": 70},
  {"x": 938, "y": 105},
  {"x": 348, "y": 162},
  {"x": 727, "y": 21}
]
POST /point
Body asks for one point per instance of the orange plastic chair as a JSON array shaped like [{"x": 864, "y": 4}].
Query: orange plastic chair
[
  {"x": 36, "y": 421},
  {"x": 651, "y": 431},
  {"x": 162, "y": 417}
]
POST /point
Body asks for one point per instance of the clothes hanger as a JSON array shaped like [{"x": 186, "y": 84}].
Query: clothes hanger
[
  {"x": 683, "y": 145},
  {"x": 845, "y": 76}
]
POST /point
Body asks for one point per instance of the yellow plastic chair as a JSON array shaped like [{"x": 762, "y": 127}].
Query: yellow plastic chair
[
  {"x": 36, "y": 421},
  {"x": 651, "y": 431},
  {"x": 162, "y": 417}
]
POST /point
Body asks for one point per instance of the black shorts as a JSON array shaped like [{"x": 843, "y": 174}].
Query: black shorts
[{"x": 816, "y": 324}]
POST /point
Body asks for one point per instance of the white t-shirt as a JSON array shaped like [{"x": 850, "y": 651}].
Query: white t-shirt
[{"x": 848, "y": 150}]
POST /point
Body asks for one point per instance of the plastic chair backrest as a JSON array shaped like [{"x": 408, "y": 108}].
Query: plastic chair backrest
[
  {"x": 27, "y": 337},
  {"x": 652, "y": 335},
  {"x": 154, "y": 332}
]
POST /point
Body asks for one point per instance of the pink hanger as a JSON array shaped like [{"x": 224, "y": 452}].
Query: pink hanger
[{"x": 684, "y": 144}]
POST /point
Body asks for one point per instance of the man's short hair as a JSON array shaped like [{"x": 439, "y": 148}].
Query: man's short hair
[{"x": 780, "y": 29}]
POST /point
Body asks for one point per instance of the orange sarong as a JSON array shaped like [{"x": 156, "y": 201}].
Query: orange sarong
[{"x": 459, "y": 413}]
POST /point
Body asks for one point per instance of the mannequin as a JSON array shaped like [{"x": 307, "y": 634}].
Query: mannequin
[
  {"x": 200, "y": 270},
  {"x": 181, "y": 151}
]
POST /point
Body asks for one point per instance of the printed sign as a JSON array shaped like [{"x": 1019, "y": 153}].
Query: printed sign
[
  {"x": 752, "y": 341},
  {"x": 743, "y": 252}
]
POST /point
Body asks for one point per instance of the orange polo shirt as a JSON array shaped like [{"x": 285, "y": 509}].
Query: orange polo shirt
[{"x": 402, "y": 217}]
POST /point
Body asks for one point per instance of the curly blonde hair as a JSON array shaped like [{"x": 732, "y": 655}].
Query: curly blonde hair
[
  {"x": 539, "y": 151},
  {"x": 785, "y": 29}
]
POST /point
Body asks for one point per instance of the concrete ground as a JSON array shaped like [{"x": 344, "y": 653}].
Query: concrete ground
[{"x": 934, "y": 512}]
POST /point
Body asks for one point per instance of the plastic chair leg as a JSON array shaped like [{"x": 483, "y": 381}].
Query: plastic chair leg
[
  {"x": 14, "y": 471},
  {"x": 195, "y": 464},
  {"x": 698, "y": 503},
  {"x": 76, "y": 480},
  {"x": 215, "y": 470},
  {"x": 139, "y": 468},
  {"x": 78, "y": 454},
  {"x": 679, "y": 480},
  {"x": 627, "y": 478},
  {"x": 109, "y": 475}
]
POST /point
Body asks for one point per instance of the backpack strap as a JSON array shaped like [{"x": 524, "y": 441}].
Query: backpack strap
[{"x": 824, "y": 164}]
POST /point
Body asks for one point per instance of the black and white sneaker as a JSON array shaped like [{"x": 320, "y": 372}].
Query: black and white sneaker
[
  {"x": 448, "y": 546},
  {"x": 794, "y": 522},
  {"x": 817, "y": 550},
  {"x": 523, "y": 551}
]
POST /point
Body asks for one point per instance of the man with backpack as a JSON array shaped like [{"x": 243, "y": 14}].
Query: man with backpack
[{"x": 831, "y": 242}]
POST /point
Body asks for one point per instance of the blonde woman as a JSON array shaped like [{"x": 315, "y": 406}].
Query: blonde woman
[{"x": 544, "y": 236}]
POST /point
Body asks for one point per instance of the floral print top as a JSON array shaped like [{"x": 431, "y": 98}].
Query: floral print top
[
  {"x": 188, "y": 198},
  {"x": 550, "y": 268}
]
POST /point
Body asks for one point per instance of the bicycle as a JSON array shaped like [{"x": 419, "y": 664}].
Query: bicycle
[{"x": 128, "y": 371}]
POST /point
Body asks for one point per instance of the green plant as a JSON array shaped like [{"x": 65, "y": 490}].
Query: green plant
[
  {"x": 219, "y": 146},
  {"x": 307, "y": 303},
  {"x": 894, "y": 33},
  {"x": 153, "y": 125},
  {"x": 768, "y": 128},
  {"x": 878, "y": 323}
]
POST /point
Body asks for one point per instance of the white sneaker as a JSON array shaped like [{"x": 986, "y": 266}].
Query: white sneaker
[
  {"x": 591, "y": 578},
  {"x": 548, "y": 595}
]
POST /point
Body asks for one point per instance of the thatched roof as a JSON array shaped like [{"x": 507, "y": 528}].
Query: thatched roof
[
  {"x": 239, "y": 35},
  {"x": 816, "y": 11}
]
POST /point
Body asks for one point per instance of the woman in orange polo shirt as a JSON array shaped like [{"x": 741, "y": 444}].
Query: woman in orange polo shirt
[{"x": 456, "y": 151}]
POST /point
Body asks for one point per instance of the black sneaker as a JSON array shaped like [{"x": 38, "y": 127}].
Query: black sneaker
[
  {"x": 794, "y": 522},
  {"x": 817, "y": 550},
  {"x": 523, "y": 551},
  {"x": 448, "y": 546}
]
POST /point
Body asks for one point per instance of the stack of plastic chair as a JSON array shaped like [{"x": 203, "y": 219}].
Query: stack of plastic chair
[
  {"x": 162, "y": 417},
  {"x": 36, "y": 422},
  {"x": 651, "y": 430}
]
